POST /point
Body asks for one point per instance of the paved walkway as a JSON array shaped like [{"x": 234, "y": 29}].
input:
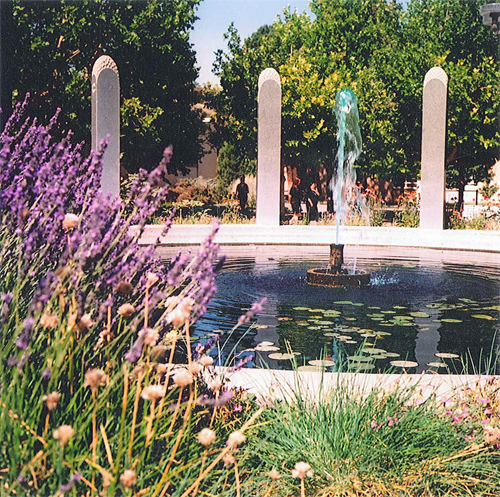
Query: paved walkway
[{"x": 251, "y": 234}]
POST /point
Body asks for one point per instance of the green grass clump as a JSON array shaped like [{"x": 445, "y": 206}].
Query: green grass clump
[{"x": 377, "y": 444}]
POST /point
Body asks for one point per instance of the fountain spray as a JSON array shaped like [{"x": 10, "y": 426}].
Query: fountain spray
[{"x": 349, "y": 148}]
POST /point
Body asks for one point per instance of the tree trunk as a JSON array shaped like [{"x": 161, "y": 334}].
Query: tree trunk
[{"x": 460, "y": 203}]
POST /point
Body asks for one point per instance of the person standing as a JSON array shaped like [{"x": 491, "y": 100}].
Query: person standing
[
  {"x": 312, "y": 199},
  {"x": 295, "y": 197},
  {"x": 242, "y": 192}
]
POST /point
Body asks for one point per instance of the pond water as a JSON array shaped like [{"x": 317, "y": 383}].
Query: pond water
[{"x": 424, "y": 310}]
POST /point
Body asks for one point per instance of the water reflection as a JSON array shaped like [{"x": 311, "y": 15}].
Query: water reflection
[{"x": 416, "y": 306}]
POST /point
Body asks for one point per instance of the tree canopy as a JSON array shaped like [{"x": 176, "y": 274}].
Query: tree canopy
[
  {"x": 382, "y": 52},
  {"x": 55, "y": 44}
]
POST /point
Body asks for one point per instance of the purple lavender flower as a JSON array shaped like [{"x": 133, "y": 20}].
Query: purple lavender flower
[
  {"x": 46, "y": 374},
  {"x": 66, "y": 487},
  {"x": 256, "y": 308}
]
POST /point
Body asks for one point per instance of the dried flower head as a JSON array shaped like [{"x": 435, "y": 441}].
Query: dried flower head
[
  {"x": 153, "y": 392},
  {"x": 274, "y": 475},
  {"x": 49, "y": 321},
  {"x": 195, "y": 368},
  {"x": 126, "y": 310},
  {"x": 51, "y": 400},
  {"x": 183, "y": 378},
  {"x": 85, "y": 322},
  {"x": 124, "y": 288},
  {"x": 206, "y": 360},
  {"x": 302, "y": 469},
  {"x": 206, "y": 437},
  {"x": 151, "y": 279},
  {"x": 236, "y": 438},
  {"x": 95, "y": 378},
  {"x": 63, "y": 434},
  {"x": 70, "y": 221},
  {"x": 228, "y": 459},
  {"x": 181, "y": 313},
  {"x": 215, "y": 385},
  {"x": 150, "y": 336},
  {"x": 158, "y": 352},
  {"x": 128, "y": 478}
]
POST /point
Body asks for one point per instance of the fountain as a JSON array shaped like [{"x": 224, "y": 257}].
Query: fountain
[{"x": 343, "y": 189}]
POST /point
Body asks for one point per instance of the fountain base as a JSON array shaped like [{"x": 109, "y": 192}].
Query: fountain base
[{"x": 335, "y": 276}]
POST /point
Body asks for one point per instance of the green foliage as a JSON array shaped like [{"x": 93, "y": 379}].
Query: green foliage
[
  {"x": 408, "y": 211},
  {"x": 231, "y": 164},
  {"x": 382, "y": 53},
  {"x": 379, "y": 444},
  {"x": 55, "y": 45}
]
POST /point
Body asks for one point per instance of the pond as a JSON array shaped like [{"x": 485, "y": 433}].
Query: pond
[{"x": 424, "y": 310}]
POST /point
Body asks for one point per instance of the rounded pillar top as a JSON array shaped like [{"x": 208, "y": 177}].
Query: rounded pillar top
[
  {"x": 104, "y": 62},
  {"x": 436, "y": 73},
  {"x": 489, "y": 11},
  {"x": 269, "y": 74}
]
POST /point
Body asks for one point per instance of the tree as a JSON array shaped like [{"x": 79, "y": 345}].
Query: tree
[
  {"x": 57, "y": 42},
  {"x": 451, "y": 35},
  {"x": 382, "y": 53}
]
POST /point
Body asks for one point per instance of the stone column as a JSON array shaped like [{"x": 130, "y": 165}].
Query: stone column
[
  {"x": 106, "y": 120},
  {"x": 269, "y": 174},
  {"x": 433, "y": 177}
]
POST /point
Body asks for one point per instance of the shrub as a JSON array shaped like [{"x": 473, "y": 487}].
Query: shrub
[{"x": 91, "y": 326}]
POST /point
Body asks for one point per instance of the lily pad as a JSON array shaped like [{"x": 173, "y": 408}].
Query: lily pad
[
  {"x": 404, "y": 364},
  {"x": 265, "y": 343},
  {"x": 419, "y": 314},
  {"x": 359, "y": 358},
  {"x": 360, "y": 367},
  {"x": 399, "y": 307},
  {"x": 281, "y": 357},
  {"x": 301, "y": 308},
  {"x": 351, "y": 319},
  {"x": 374, "y": 351},
  {"x": 330, "y": 334},
  {"x": 434, "y": 305},
  {"x": 267, "y": 349},
  {"x": 388, "y": 312},
  {"x": 484, "y": 316},
  {"x": 379, "y": 356},
  {"x": 343, "y": 302},
  {"x": 392, "y": 354},
  {"x": 446, "y": 355},
  {"x": 350, "y": 341},
  {"x": 437, "y": 364},
  {"x": 312, "y": 369},
  {"x": 322, "y": 363},
  {"x": 382, "y": 333},
  {"x": 450, "y": 320}
]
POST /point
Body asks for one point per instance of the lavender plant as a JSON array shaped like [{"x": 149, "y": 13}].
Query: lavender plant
[{"x": 91, "y": 400}]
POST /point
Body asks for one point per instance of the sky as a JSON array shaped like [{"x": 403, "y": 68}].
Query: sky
[{"x": 215, "y": 16}]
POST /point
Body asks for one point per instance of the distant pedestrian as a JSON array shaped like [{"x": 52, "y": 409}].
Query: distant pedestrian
[
  {"x": 312, "y": 199},
  {"x": 295, "y": 198},
  {"x": 242, "y": 192}
]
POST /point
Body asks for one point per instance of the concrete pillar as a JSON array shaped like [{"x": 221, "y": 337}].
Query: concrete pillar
[
  {"x": 433, "y": 178},
  {"x": 269, "y": 174},
  {"x": 106, "y": 120}
]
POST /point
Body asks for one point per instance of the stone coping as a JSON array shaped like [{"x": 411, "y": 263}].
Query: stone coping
[
  {"x": 279, "y": 384},
  {"x": 251, "y": 234}
]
